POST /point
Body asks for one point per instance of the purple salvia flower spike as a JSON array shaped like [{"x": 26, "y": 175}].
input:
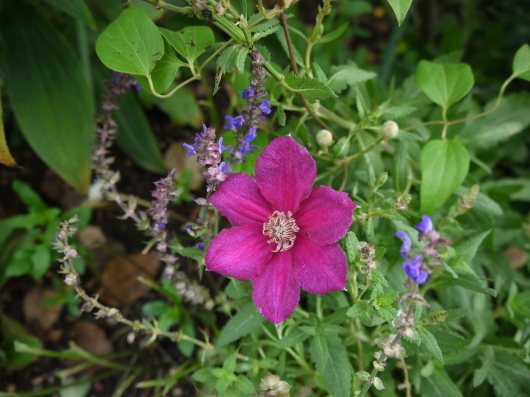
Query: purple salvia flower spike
[
  {"x": 425, "y": 226},
  {"x": 407, "y": 244}
]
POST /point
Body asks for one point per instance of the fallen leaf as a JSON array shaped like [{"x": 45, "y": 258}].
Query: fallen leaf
[
  {"x": 176, "y": 157},
  {"x": 40, "y": 318},
  {"x": 5, "y": 155},
  {"x": 516, "y": 256},
  {"x": 92, "y": 236},
  {"x": 120, "y": 278}
]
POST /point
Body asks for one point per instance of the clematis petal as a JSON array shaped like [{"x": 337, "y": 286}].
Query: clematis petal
[
  {"x": 240, "y": 252},
  {"x": 276, "y": 292},
  {"x": 285, "y": 173},
  {"x": 319, "y": 269},
  {"x": 239, "y": 199},
  {"x": 325, "y": 215}
]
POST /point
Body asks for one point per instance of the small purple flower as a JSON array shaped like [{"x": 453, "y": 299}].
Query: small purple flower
[
  {"x": 425, "y": 226},
  {"x": 191, "y": 149},
  {"x": 233, "y": 122},
  {"x": 265, "y": 106},
  {"x": 225, "y": 167},
  {"x": 221, "y": 147},
  {"x": 407, "y": 244},
  {"x": 200, "y": 245},
  {"x": 251, "y": 134},
  {"x": 248, "y": 92},
  {"x": 137, "y": 86},
  {"x": 160, "y": 225},
  {"x": 414, "y": 270}
]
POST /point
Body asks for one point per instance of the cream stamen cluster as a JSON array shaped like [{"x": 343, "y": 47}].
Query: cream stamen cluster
[{"x": 281, "y": 229}]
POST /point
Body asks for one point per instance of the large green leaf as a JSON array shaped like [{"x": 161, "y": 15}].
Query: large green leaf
[
  {"x": 430, "y": 343},
  {"x": 400, "y": 8},
  {"x": 190, "y": 42},
  {"x": 338, "y": 371},
  {"x": 521, "y": 63},
  {"x": 245, "y": 321},
  {"x": 444, "y": 166},
  {"x": 347, "y": 75},
  {"x": 164, "y": 72},
  {"x": 439, "y": 384},
  {"x": 131, "y": 44},
  {"x": 310, "y": 88},
  {"x": 135, "y": 136},
  {"x": 49, "y": 93},
  {"x": 75, "y": 8},
  {"x": 446, "y": 83}
]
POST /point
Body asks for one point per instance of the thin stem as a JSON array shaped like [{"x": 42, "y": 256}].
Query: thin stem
[
  {"x": 285, "y": 27},
  {"x": 344, "y": 176},
  {"x": 357, "y": 156},
  {"x": 163, "y": 96},
  {"x": 407, "y": 382},
  {"x": 162, "y": 4}
]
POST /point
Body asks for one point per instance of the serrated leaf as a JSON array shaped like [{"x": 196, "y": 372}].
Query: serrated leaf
[
  {"x": 319, "y": 351},
  {"x": 521, "y": 63},
  {"x": 347, "y": 75},
  {"x": 429, "y": 341},
  {"x": 444, "y": 84},
  {"x": 397, "y": 112},
  {"x": 400, "y": 8},
  {"x": 232, "y": 59},
  {"x": 444, "y": 280},
  {"x": 468, "y": 248},
  {"x": 444, "y": 166},
  {"x": 480, "y": 374},
  {"x": 408, "y": 136},
  {"x": 509, "y": 375},
  {"x": 131, "y": 44},
  {"x": 191, "y": 41},
  {"x": 265, "y": 28},
  {"x": 310, "y": 88},
  {"x": 338, "y": 371},
  {"x": 75, "y": 8},
  {"x": 456, "y": 314},
  {"x": 351, "y": 243},
  {"x": 193, "y": 253},
  {"x": 333, "y": 35},
  {"x": 51, "y": 100},
  {"x": 295, "y": 337},
  {"x": 244, "y": 322},
  {"x": 235, "y": 290},
  {"x": 377, "y": 278},
  {"x": 439, "y": 384},
  {"x": 366, "y": 313}
]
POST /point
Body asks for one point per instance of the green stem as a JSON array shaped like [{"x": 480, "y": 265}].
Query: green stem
[
  {"x": 184, "y": 83},
  {"x": 162, "y": 4}
]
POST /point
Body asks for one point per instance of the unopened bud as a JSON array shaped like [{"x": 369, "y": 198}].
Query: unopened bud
[
  {"x": 381, "y": 179},
  {"x": 71, "y": 279},
  {"x": 389, "y": 130},
  {"x": 436, "y": 317},
  {"x": 220, "y": 9},
  {"x": 324, "y": 138}
]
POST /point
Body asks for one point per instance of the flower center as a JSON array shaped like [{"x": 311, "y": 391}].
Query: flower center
[{"x": 281, "y": 229}]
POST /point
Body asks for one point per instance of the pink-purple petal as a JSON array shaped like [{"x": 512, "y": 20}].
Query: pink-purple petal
[
  {"x": 319, "y": 269},
  {"x": 325, "y": 215},
  {"x": 240, "y": 252},
  {"x": 276, "y": 292},
  {"x": 239, "y": 199},
  {"x": 285, "y": 173}
]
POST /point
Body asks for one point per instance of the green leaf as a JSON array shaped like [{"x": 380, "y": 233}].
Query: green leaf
[
  {"x": 235, "y": 290},
  {"x": 397, "y": 112},
  {"x": 333, "y": 35},
  {"x": 439, "y": 384},
  {"x": 75, "y": 8},
  {"x": 401, "y": 167},
  {"x": 338, "y": 372},
  {"x": 265, "y": 28},
  {"x": 319, "y": 351},
  {"x": 310, "y": 88},
  {"x": 231, "y": 60},
  {"x": 347, "y": 75},
  {"x": 429, "y": 341},
  {"x": 136, "y": 137},
  {"x": 366, "y": 313},
  {"x": 164, "y": 72},
  {"x": 480, "y": 374},
  {"x": 352, "y": 248},
  {"x": 41, "y": 260},
  {"x": 469, "y": 247},
  {"x": 29, "y": 196},
  {"x": 521, "y": 304},
  {"x": 16, "y": 359},
  {"x": 446, "y": 83},
  {"x": 444, "y": 166},
  {"x": 362, "y": 375},
  {"x": 193, "y": 253},
  {"x": 290, "y": 340},
  {"x": 509, "y": 376},
  {"x": 467, "y": 281},
  {"x": 51, "y": 100},
  {"x": 244, "y": 322},
  {"x": 131, "y": 44},
  {"x": 182, "y": 108},
  {"x": 521, "y": 63},
  {"x": 400, "y": 8},
  {"x": 378, "y": 384},
  {"x": 191, "y": 41}
]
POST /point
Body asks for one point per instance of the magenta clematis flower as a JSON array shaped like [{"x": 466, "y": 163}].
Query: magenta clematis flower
[{"x": 284, "y": 232}]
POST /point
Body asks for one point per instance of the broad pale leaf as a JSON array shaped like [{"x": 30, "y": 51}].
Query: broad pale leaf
[
  {"x": 444, "y": 84},
  {"x": 164, "y": 72},
  {"x": 310, "y": 88},
  {"x": 244, "y": 322},
  {"x": 5, "y": 155},
  {"x": 131, "y": 44},
  {"x": 49, "y": 93},
  {"x": 521, "y": 63},
  {"x": 347, "y": 75},
  {"x": 400, "y": 8},
  {"x": 444, "y": 166},
  {"x": 190, "y": 42}
]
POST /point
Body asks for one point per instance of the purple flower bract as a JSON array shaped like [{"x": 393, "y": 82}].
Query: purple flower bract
[{"x": 284, "y": 232}]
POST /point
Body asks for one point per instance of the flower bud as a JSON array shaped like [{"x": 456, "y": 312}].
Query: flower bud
[
  {"x": 390, "y": 130},
  {"x": 220, "y": 9},
  {"x": 324, "y": 138},
  {"x": 381, "y": 179}
]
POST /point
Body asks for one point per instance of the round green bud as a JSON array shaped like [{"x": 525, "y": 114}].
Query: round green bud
[{"x": 324, "y": 138}]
